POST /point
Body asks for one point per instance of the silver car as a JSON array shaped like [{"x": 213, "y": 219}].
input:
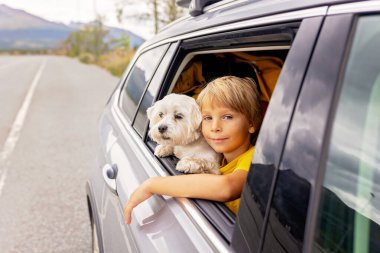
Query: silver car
[{"x": 313, "y": 185}]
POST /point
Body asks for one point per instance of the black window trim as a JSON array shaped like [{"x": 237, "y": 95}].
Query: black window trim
[
  {"x": 268, "y": 35},
  {"x": 291, "y": 16}
]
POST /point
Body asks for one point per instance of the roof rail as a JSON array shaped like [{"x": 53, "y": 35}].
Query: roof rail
[{"x": 195, "y": 6}]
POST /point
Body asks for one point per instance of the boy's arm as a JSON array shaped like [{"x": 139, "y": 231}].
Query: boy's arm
[{"x": 204, "y": 186}]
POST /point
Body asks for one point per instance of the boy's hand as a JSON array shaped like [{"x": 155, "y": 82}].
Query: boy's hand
[{"x": 138, "y": 196}]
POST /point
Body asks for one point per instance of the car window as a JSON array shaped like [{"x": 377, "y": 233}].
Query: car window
[
  {"x": 138, "y": 79},
  {"x": 349, "y": 211},
  {"x": 141, "y": 118}
]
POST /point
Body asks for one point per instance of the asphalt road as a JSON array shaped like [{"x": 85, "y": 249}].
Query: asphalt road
[{"x": 50, "y": 106}]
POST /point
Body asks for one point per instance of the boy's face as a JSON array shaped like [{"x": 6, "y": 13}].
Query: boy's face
[{"x": 226, "y": 130}]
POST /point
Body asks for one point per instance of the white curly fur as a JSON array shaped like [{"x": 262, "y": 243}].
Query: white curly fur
[{"x": 175, "y": 126}]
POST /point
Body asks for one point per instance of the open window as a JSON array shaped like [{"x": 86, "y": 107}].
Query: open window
[{"x": 256, "y": 53}]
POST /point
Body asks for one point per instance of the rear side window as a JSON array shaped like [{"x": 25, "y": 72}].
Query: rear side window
[
  {"x": 138, "y": 79},
  {"x": 349, "y": 211},
  {"x": 141, "y": 120}
]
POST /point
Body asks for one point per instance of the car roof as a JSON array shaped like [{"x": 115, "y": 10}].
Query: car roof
[{"x": 226, "y": 12}]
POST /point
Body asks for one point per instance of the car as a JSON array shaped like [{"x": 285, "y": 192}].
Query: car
[{"x": 314, "y": 181}]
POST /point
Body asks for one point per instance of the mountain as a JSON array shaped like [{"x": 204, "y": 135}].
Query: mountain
[{"x": 22, "y": 30}]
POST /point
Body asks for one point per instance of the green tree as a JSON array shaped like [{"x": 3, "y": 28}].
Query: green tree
[
  {"x": 73, "y": 43},
  {"x": 97, "y": 36},
  {"x": 89, "y": 40},
  {"x": 121, "y": 42}
]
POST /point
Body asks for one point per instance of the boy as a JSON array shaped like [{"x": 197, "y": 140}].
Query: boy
[{"x": 231, "y": 114}]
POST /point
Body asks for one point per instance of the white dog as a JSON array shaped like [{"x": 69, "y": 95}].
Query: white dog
[{"x": 175, "y": 125}]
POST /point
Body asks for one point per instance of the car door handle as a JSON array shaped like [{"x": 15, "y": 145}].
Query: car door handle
[{"x": 109, "y": 175}]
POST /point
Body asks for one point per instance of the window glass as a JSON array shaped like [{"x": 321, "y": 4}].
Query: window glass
[
  {"x": 138, "y": 79},
  {"x": 349, "y": 211},
  {"x": 141, "y": 117}
]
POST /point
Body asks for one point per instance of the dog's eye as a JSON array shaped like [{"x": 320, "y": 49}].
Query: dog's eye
[
  {"x": 178, "y": 116},
  {"x": 161, "y": 114}
]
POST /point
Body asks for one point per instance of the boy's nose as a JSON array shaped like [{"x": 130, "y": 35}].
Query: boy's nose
[{"x": 215, "y": 126}]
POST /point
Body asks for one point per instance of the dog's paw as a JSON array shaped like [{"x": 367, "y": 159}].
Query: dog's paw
[
  {"x": 163, "y": 150},
  {"x": 189, "y": 166}
]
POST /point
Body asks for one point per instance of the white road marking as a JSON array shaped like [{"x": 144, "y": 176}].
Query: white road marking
[{"x": 14, "y": 134}]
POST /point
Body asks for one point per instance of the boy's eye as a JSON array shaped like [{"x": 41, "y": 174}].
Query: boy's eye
[
  {"x": 161, "y": 114},
  {"x": 207, "y": 118},
  {"x": 227, "y": 116},
  {"x": 178, "y": 116}
]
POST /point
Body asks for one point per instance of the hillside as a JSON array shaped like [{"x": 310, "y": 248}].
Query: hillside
[{"x": 22, "y": 30}]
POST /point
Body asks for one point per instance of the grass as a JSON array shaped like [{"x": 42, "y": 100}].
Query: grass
[{"x": 116, "y": 61}]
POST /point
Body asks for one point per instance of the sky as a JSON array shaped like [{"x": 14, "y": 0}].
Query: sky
[{"x": 66, "y": 11}]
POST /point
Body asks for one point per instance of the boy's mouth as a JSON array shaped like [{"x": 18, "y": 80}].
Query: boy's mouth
[{"x": 217, "y": 140}]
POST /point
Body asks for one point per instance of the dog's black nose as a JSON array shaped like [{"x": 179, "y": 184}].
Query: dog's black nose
[{"x": 162, "y": 128}]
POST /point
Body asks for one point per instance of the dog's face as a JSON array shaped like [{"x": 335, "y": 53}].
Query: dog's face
[{"x": 174, "y": 120}]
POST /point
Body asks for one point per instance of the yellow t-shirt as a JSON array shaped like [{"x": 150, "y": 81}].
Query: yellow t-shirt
[{"x": 242, "y": 162}]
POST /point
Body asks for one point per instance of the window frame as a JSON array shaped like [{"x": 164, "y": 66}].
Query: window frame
[{"x": 218, "y": 214}]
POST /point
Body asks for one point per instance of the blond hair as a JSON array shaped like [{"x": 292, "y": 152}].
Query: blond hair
[{"x": 240, "y": 94}]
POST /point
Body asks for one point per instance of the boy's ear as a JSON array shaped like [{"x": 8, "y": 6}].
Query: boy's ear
[{"x": 251, "y": 128}]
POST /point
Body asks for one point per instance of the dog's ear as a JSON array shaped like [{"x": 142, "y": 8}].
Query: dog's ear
[
  {"x": 196, "y": 116},
  {"x": 151, "y": 110}
]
